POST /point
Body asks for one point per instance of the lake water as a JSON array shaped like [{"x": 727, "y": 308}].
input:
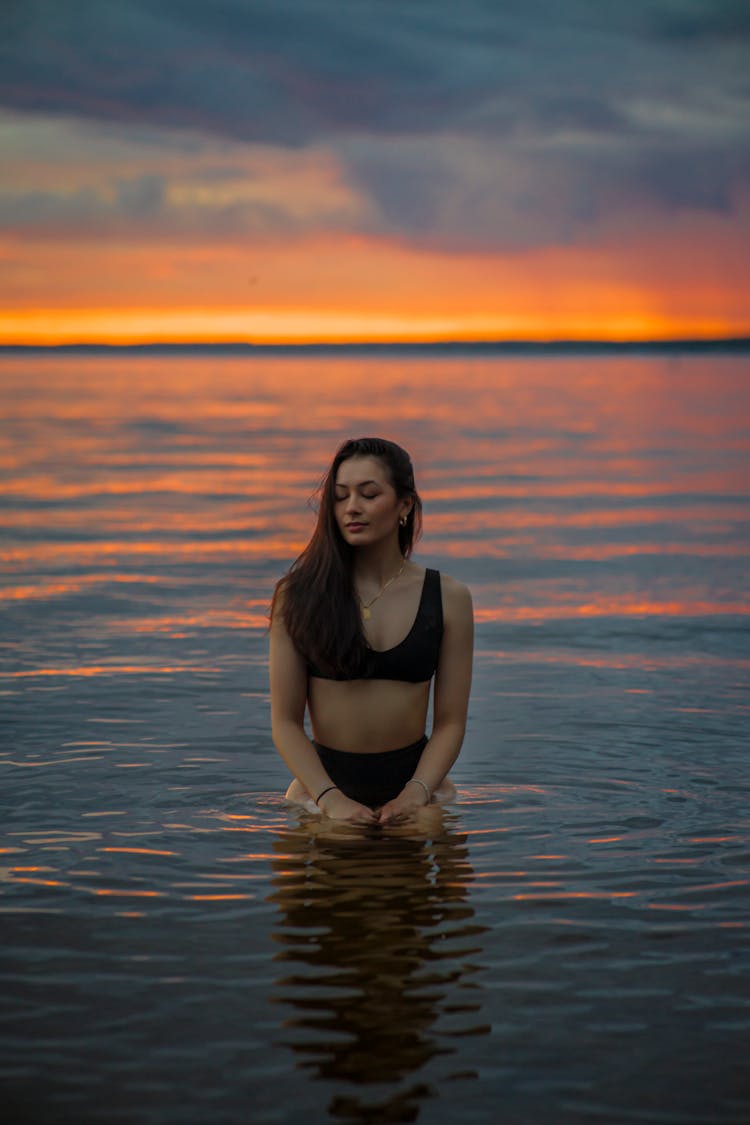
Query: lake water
[{"x": 569, "y": 942}]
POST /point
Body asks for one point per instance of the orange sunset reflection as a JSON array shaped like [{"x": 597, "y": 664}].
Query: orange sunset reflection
[{"x": 153, "y": 472}]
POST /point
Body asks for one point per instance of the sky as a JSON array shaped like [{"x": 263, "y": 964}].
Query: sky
[{"x": 308, "y": 170}]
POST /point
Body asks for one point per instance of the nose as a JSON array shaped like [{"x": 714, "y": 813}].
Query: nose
[{"x": 352, "y": 506}]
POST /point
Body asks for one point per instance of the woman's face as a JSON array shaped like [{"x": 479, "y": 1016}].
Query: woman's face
[{"x": 366, "y": 506}]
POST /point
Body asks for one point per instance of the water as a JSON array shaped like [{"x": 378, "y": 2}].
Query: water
[{"x": 568, "y": 942}]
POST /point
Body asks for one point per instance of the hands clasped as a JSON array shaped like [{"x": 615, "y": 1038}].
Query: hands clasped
[{"x": 412, "y": 797}]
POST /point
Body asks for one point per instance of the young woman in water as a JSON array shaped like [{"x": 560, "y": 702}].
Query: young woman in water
[{"x": 358, "y": 631}]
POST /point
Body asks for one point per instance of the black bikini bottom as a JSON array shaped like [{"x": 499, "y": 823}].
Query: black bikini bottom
[{"x": 371, "y": 779}]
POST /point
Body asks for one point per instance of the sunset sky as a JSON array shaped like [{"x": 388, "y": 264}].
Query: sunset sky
[{"x": 310, "y": 170}]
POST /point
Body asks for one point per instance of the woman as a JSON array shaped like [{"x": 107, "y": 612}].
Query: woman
[{"x": 357, "y": 632}]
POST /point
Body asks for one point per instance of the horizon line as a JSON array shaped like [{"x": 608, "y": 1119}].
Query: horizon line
[{"x": 702, "y": 343}]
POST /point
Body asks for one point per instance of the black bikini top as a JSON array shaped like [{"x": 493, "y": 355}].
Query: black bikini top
[{"x": 415, "y": 659}]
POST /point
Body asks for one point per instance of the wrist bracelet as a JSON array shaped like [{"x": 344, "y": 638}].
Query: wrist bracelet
[
  {"x": 424, "y": 786},
  {"x": 328, "y": 790}
]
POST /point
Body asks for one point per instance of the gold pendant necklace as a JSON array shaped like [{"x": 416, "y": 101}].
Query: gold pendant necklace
[{"x": 365, "y": 606}]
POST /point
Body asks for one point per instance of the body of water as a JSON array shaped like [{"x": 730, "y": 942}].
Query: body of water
[{"x": 568, "y": 942}]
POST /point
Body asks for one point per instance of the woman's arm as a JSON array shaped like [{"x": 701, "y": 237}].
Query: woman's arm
[
  {"x": 288, "y": 676},
  {"x": 451, "y": 702}
]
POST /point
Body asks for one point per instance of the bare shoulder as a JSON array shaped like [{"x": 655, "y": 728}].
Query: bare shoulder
[
  {"x": 277, "y": 603},
  {"x": 456, "y": 595}
]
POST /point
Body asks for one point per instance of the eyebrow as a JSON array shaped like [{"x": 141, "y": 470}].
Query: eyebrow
[{"x": 358, "y": 484}]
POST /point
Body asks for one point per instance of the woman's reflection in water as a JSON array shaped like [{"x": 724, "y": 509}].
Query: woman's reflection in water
[{"x": 378, "y": 947}]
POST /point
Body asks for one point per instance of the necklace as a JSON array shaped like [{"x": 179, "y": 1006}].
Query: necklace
[{"x": 365, "y": 606}]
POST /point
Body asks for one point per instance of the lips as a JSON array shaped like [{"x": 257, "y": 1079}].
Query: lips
[{"x": 355, "y": 526}]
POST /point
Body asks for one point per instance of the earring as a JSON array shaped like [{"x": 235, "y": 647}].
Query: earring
[{"x": 402, "y": 521}]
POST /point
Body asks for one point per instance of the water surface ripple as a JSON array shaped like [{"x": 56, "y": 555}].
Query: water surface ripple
[{"x": 566, "y": 943}]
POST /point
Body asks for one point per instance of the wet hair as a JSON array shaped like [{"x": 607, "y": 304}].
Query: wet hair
[{"x": 320, "y": 607}]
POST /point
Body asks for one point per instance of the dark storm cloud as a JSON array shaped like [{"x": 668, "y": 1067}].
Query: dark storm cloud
[
  {"x": 294, "y": 71},
  {"x": 285, "y": 73},
  {"x": 510, "y": 122},
  {"x": 729, "y": 21}
]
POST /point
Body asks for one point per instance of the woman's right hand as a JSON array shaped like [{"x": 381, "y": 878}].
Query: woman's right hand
[{"x": 340, "y": 807}]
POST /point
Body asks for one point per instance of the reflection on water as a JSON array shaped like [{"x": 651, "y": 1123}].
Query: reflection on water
[
  {"x": 570, "y": 943},
  {"x": 379, "y": 946},
  {"x": 577, "y": 949}
]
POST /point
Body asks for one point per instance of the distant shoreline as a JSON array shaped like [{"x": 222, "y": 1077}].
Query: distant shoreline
[{"x": 434, "y": 348}]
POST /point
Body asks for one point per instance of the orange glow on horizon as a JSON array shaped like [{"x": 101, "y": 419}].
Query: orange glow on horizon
[
  {"x": 689, "y": 282},
  {"x": 52, "y": 327}
]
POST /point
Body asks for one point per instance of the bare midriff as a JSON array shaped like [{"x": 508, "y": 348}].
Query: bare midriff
[{"x": 367, "y": 716}]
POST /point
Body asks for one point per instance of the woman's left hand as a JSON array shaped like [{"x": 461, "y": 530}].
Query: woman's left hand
[{"x": 411, "y": 798}]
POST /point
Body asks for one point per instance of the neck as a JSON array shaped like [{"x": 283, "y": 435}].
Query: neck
[{"x": 378, "y": 563}]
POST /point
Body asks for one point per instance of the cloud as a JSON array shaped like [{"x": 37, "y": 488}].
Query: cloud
[
  {"x": 464, "y": 194},
  {"x": 480, "y": 124},
  {"x": 727, "y": 20},
  {"x": 300, "y": 72},
  {"x": 68, "y": 177}
]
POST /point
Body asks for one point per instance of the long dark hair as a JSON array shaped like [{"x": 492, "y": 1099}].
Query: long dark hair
[{"x": 320, "y": 608}]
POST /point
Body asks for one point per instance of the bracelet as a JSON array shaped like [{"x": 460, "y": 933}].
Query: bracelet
[
  {"x": 424, "y": 786},
  {"x": 328, "y": 790}
]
